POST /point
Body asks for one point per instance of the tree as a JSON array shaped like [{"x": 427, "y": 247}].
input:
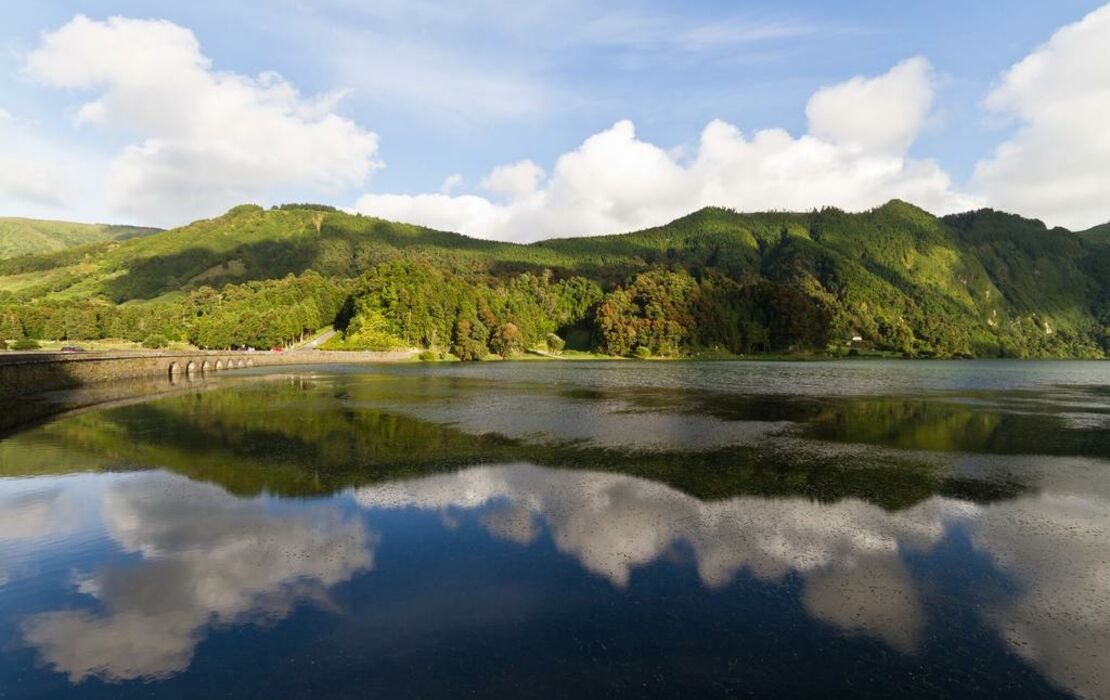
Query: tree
[
  {"x": 465, "y": 343},
  {"x": 53, "y": 327},
  {"x": 369, "y": 330},
  {"x": 81, "y": 323},
  {"x": 554, "y": 343},
  {"x": 10, "y": 326},
  {"x": 614, "y": 326},
  {"x": 982, "y": 283},
  {"x": 506, "y": 340}
]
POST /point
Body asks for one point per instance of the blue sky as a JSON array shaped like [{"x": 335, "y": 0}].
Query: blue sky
[{"x": 453, "y": 92}]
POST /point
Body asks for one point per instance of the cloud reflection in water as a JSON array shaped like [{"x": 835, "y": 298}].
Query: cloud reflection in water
[
  {"x": 202, "y": 558},
  {"x": 849, "y": 554},
  {"x": 206, "y": 558}
]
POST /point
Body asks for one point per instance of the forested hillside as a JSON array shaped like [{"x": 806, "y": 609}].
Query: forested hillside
[
  {"x": 33, "y": 236},
  {"x": 895, "y": 279},
  {"x": 1097, "y": 234}
]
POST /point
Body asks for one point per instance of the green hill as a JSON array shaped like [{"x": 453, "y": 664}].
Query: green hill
[
  {"x": 34, "y": 236},
  {"x": 1097, "y": 234},
  {"x": 247, "y": 243},
  {"x": 901, "y": 280}
]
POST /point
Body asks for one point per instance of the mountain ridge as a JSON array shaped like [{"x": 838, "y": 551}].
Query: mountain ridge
[
  {"x": 27, "y": 236},
  {"x": 981, "y": 283},
  {"x": 1097, "y": 234}
]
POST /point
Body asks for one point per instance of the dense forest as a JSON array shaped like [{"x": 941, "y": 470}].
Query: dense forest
[{"x": 894, "y": 279}]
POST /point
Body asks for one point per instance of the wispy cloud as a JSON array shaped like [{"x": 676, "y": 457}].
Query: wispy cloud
[
  {"x": 655, "y": 31},
  {"x": 437, "y": 84},
  {"x": 486, "y": 62},
  {"x": 29, "y": 169}
]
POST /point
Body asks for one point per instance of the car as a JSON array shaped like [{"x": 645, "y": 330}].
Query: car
[{"x": 73, "y": 348}]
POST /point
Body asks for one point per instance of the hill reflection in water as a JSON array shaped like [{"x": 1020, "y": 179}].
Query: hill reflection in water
[{"x": 644, "y": 537}]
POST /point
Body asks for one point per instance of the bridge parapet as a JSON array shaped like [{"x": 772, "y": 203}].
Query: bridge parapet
[{"x": 31, "y": 373}]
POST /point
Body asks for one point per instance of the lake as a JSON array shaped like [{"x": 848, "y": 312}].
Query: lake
[{"x": 840, "y": 529}]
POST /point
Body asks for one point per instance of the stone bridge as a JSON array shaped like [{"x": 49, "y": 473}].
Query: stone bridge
[
  {"x": 31, "y": 373},
  {"x": 192, "y": 365}
]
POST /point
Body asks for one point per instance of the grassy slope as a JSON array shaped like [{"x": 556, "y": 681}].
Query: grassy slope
[
  {"x": 35, "y": 236},
  {"x": 893, "y": 265}
]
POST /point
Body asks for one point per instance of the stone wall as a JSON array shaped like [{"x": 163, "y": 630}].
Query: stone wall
[{"x": 32, "y": 373}]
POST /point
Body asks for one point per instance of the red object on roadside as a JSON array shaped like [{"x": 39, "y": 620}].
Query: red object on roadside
[{"x": 277, "y": 348}]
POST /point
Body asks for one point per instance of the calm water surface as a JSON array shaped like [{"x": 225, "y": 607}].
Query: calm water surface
[{"x": 853, "y": 529}]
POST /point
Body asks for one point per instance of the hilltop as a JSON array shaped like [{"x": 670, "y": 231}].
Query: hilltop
[
  {"x": 983, "y": 283},
  {"x": 1097, "y": 234},
  {"x": 19, "y": 236},
  {"x": 247, "y": 243}
]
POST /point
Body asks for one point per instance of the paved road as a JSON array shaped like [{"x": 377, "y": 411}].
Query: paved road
[{"x": 316, "y": 342}]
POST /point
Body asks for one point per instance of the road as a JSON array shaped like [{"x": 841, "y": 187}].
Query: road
[{"x": 316, "y": 342}]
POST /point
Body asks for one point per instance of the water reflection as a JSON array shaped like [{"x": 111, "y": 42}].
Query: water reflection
[
  {"x": 28, "y": 513},
  {"x": 202, "y": 558},
  {"x": 850, "y": 555},
  {"x": 612, "y": 525},
  {"x": 1057, "y": 547},
  {"x": 26, "y": 410},
  {"x": 315, "y": 437},
  {"x": 241, "y": 564},
  {"x": 198, "y": 558},
  {"x": 478, "y": 529},
  {"x": 34, "y": 513}
]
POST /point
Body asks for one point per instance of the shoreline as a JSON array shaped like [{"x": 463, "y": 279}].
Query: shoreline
[
  {"x": 585, "y": 357},
  {"x": 24, "y": 374},
  {"x": 31, "y": 396},
  {"x": 27, "y": 374}
]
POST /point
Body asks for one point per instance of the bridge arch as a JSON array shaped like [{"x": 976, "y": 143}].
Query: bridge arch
[
  {"x": 191, "y": 369},
  {"x": 219, "y": 365},
  {"x": 205, "y": 366},
  {"x": 175, "y": 371}
]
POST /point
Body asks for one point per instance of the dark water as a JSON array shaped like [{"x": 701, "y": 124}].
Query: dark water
[{"x": 851, "y": 529}]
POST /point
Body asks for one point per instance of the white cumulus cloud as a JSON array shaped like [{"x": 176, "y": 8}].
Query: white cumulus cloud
[
  {"x": 855, "y": 157},
  {"x": 515, "y": 180},
  {"x": 1057, "y": 166},
  {"x": 205, "y": 139},
  {"x": 879, "y": 115}
]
